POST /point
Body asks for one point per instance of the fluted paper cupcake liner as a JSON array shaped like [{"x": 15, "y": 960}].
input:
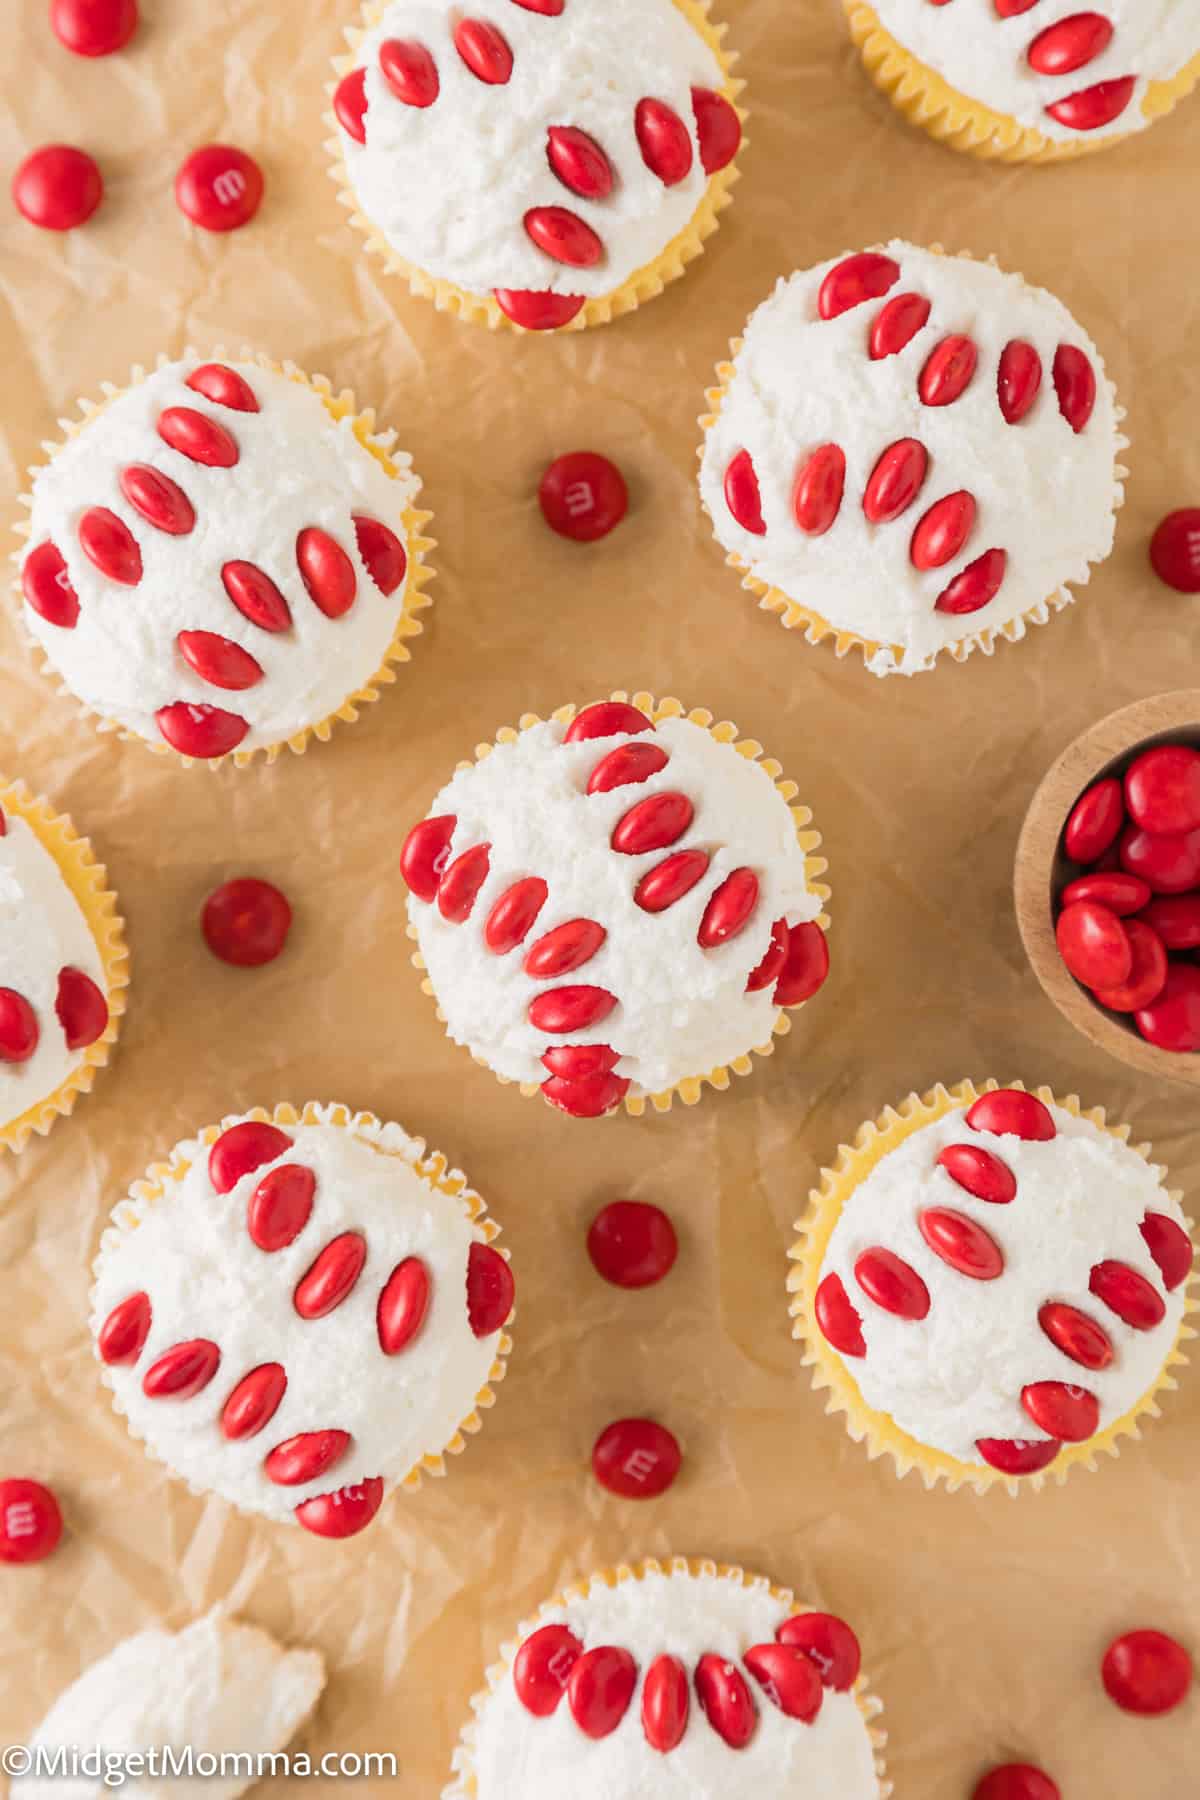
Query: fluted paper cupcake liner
[
  {"x": 431, "y": 1166},
  {"x": 87, "y": 879},
  {"x": 953, "y": 118},
  {"x": 465, "y": 1785},
  {"x": 876, "y": 1430},
  {"x": 795, "y": 615},
  {"x": 691, "y": 1089},
  {"x": 483, "y": 309},
  {"x": 412, "y": 522}
]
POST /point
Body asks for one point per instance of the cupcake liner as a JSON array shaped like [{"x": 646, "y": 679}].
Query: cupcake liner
[
  {"x": 413, "y": 521},
  {"x": 87, "y": 879},
  {"x": 465, "y": 1786},
  {"x": 691, "y": 1089},
  {"x": 433, "y": 1168},
  {"x": 643, "y": 285},
  {"x": 879, "y": 1432},
  {"x": 953, "y": 118},
  {"x": 794, "y": 615}
]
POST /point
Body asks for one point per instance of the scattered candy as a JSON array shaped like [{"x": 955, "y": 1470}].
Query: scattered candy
[
  {"x": 1146, "y": 1672},
  {"x": 583, "y": 496},
  {"x": 219, "y": 187},
  {"x": 636, "y": 1458},
  {"x": 1175, "y": 550},
  {"x": 30, "y": 1522},
  {"x": 57, "y": 187},
  {"x": 1016, "y": 1781},
  {"x": 632, "y": 1244},
  {"x": 246, "y": 922},
  {"x": 93, "y": 27}
]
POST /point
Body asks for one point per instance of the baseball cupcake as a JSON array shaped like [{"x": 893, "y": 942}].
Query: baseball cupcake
[
  {"x": 299, "y": 1312},
  {"x": 1029, "y": 80},
  {"x": 539, "y": 163},
  {"x": 689, "y": 1682},
  {"x": 64, "y": 967},
  {"x": 912, "y": 453},
  {"x": 993, "y": 1285},
  {"x": 224, "y": 558},
  {"x": 617, "y": 904}
]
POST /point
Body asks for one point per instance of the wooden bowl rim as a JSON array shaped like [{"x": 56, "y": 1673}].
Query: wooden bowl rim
[{"x": 1110, "y": 741}]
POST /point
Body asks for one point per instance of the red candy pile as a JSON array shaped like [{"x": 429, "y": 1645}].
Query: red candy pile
[{"x": 1129, "y": 923}]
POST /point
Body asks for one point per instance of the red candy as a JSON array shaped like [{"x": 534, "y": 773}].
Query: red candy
[
  {"x": 632, "y": 1244},
  {"x": 607, "y": 718},
  {"x": 539, "y": 311},
  {"x": 895, "y": 481},
  {"x": 48, "y": 590},
  {"x": 223, "y": 386},
  {"x": 409, "y": 71},
  {"x": 350, "y": 104},
  {"x": 591, "y": 1097},
  {"x": 1094, "y": 107},
  {"x": 574, "y": 1062},
  {"x": 122, "y": 1337},
  {"x": 653, "y": 824},
  {"x": 383, "y": 553},
  {"x": 729, "y": 910},
  {"x": 57, "y": 187},
  {"x": 343, "y": 1513},
  {"x": 961, "y": 1243},
  {"x": 18, "y": 1027},
  {"x": 579, "y": 162},
  {"x": 772, "y": 963},
  {"x": 200, "y": 731},
  {"x": 485, "y": 51},
  {"x": 977, "y": 586},
  {"x": 565, "y": 948},
  {"x": 108, "y": 543},
  {"x": 636, "y": 1459},
  {"x": 160, "y": 502},
  {"x": 491, "y": 1290},
  {"x": 93, "y": 27},
  {"x": 789, "y": 1678},
  {"x": 183, "y": 1371},
  {"x": 219, "y": 188},
  {"x": 1016, "y": 1781},
  {"x": 718, "y": 128},
  {"x": 198, "y": 437},
  {"x": 806, "y": 965},
  {"x": 1076, "y": 1335},
  {"x": 1067, "y": 1413},
  {"x": 1170, "y": 1246},
  {"x": 892, "y": 1284},
  {"x": 254, "y": 1402},
  {"x": 243, "y": 1148},
  {"x": 1012, "y": 1112},
  {"x": 1147, "y": 974},
  {"x": 840, "y": 1323},
  {"x": 564, "y": 236},
  {"x": 627, "y": 766},
  {"x": 1018, "y": 380},
  {"x": 1146, "y": 1672},
  {"x": 561, "y": 1011},
  {"x": 306, "y": 1457},
  {"x": 664, "y": 140},
  {"x": 256, "y": 596},
  {"x": 425, "y": 855},
  {"x": 1070, "y": 44},
  {"x": 583, "y": 496},
  {"x": 829, "y": 1644},
  {"x": 820, "y": 485},
  {"x": 1175, "y": 550},
  {"x": 281, "y": 1206},
  {"x": 542, "y": 1668},
  {"x": 666, "y": 884},
  {"x": 1094, "y": 944},
  {"x": 600, "y": 1688},
  {"x": 666, "y": 1703},
  {"x": 1075, "y": 385},
  {"x": 1170, "y": 863},
  {"x": 30, "y": 1522},
  {"x": 726, "y": 1701},
  {"x": 979, "y": 1173},
  {"x": 403, "y": 1305},
  {"x": 1128, "y": 1294},
  {"x": 742, "y": 496},
  {"x": 246, "y": 922},
  {"x": 897, "y": 324},
  {"x": 459, "y": 887},
  {"x": 513, "y": 916},
  {"x": 942, "y": 532},
  {"x": 332, "y": 1276},
  {"x": 1018, "y": 1456},
  {"x": 326, "y": 572},
  {"x": 1162, "y": 789},
  {"x": 1122, "y": 894},
  {"x": 1175, "y": 918},
  {"x": 219, "y": 661},
  {"x": 867, "y": 276},
  {"x": 948, "y": 372}
]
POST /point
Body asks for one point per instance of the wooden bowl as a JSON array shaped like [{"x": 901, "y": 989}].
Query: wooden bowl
[{"x": 1043, "y": 869}]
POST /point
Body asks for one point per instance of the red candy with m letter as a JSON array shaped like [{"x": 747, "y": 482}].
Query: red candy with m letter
[
  {"x": 829, "y": 1644},
  {"x": 636, "y": 1458},
  {"x": 583, "y": 496},
  {"x": 789, "y": 1678},
  {"x": 542, "y": 1667},
  {"x": 1175, "y": 550},
  {"x": 219, "y": 187},
  {"x": 30, "y": 1522},
  {"x": 1070, "y": 1414}
]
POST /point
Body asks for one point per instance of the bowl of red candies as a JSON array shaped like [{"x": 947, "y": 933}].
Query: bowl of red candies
[{"x": 1108, "y": 884}]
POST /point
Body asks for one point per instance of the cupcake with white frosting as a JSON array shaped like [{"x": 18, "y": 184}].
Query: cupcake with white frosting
[
  {"x": 545, "y": 164},
  {"x": 300, "y": 1312},
  {"x": 218, "y": 1688},
  {"x": 63, "y": 965},
  {"x": 1030, "y": 80},
  {"x": 993, "y": 1286},
  {"x": 617, "y": 905},
  {"x": 683, "y": 1682},
  {"x": 912, "y": 454},
  {"x": 224, "y": 558}
]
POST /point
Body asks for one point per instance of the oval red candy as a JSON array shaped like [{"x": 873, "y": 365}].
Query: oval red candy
[
  {"x": 943, "y": 531},
  {"x": 627, "y": 766},
  {"x": 1162, "y": 789},
  {"x": 306, "y": 1457},
  {"x": 242, "y": 1149},
  {"x": 485, "y": 50},
  {"x": 1076, "y": 1335},
  {"x": 332, "y": 1277},
  {"x": 742, "y": 495},
  {"x": 591, "y": 1097},
  {"x": 1018, "y": 380},
  {"x": 897, "y": 324},
  {"x": 224, "y": 387},
  {"x": 183, "y": 1371},
  {"x": 350, "y": 104},
  {"x": 326, "y": 571},
  {"x": 246, "y": 922},
  {"x": 122, "y": 1337},
  {"x": 563, "y": 235},
  {"x": 199, "y": 438},
  {"x": 409, "y": 71},
  {"x": 1095, "y": 107},
  {"x": 1014, "y": 1113},
  {"x": 254, "y": 1402},
  {"x": 403, "y": 1305},
  {"x": 514, "y": 914},
  {"x": 459, "y": 887},
  {"x": 961, "y": 1243},
  {"x": 219, "y": 187},
  {"x": 1175, "y": 550},
  {"x": 58, "y": 187},
  {"x": 542, "y": 1668},
  {"x": 726, "y": 1701},
  {"x": 491, "y": 1290},
  {"x": 93, "y": 27},
  {"x": 838, "y": 1319},
  {"x": 600, "y": 1688},
  {"x": 583, "y": 496},
  {"x": 788, "y": 1677},
  {"x": 1147, "y": 973},
  {"x": 1016, "y": 1781},
  {"x": 575, "y": 1062},
  {"x": 1095, "y": 821},
  {"x": 579, "y": 162},
  {"x": 1094, "y": 944},
  {"x": 1175, "y": 918},
  {"x": 1146, "y": 1672},
  {"x": 1122, "y": 894},
  {"x": 1171, "y": 1248},
  {"x": 718, "y": 128},
  {"x": 18, "y": 1027},
  {"x": 607, "y": 718},
  {"x": 425, "y": 855},
  {"x": 977, "y": 585},
  {"x": 1018, "y": 1456},
  {"x": 1070, "y": 44},
  {"x": 47, "y": 587},
  {"x": 30, "y": 1521},
  {"x": 948, "y": 371},
  {"x": 1170, "y": 863},
  {"x": 820, "y": 484},
  {"x": 866, "y": 276},
  {"x": 895, "y": 481},
  {"x": 829, "y": 1644},
  {"x": 345, "y": 1512},
  {"x": 110, "y": 546},
  {"x": 667, "y": 883},
  {"x": 892, "y": 1284},
  {"x": 566, "y": 1009},
  {"x": 1075, "y": 385},
  {"x": 771, "y": 966},
  {"x": 632, "y": 1244},
  {"x": 1070, "y": 1414},
  {"x": 980, "y": 1173},
  {"x": 281, "y": 1206},
  {"x": 730, "y": 909},
  {"x": 204, "y": 732},
  {"x": 219, "y": 661},
  {"x": 666, "y": 1702},
  {"x": 161, "y": 502},
  {"x": 636, "y": 1458},
  {"x": 539, "y": 311},
  {"x": 80, "y": 1008},
  {"x": 256, "y": 596},
  {"x": 382, "y": 551},
  {"x": 805, "y": 967},
  {"x": 664, "y": 140},
  {"x": 652, "y": 824},
  {"x": 1128, "y": 1294}
]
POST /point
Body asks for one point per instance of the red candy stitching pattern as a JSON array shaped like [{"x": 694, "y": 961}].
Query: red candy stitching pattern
[
  {"x": 581, "y": 1078},
  {"x": 1063, "y": 49}
]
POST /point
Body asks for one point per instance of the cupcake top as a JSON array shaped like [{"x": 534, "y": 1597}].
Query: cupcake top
[
  {"x": 534, "y": 145},
  {"x": 672, "y": 1685},
  {"x": 216, "y": 1687},
  {"x": 1065, "y": 72},
  {"x": 605, "y": 899},
  {"x": 917, "y": 447},
  {"x": 53, "y": 1003},
  {"x": 214, "y": 560},
  {"x": 302, "y": 1317},
  {"x": 1007, "y": 1280}
]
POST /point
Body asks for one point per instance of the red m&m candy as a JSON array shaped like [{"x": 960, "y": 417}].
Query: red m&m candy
[
  {"x": 30, "y": 1522},
  {"x": 1146, "y": 1672},
  {"x": 1016, "y": 1781},
  {"x": 636, "y": 1458},
  {"x": 93, "y": 27},
  {"x": 1172, "y": 1020},
  {"x": 1147, "y": 972},
  {"x": 1096, "y": 818},
  {"x": 246, "y": 922},
  {"x": 583, "y": 496},
  {"x": 219, "y": 187},
  {"x": 1162, "y": 789},
  {"x": 58, "y": 187},
  {"x": 632, "y": 1244},
  {"x": 1175, "y": 550},
  {"x": 1094, "y": 944}
]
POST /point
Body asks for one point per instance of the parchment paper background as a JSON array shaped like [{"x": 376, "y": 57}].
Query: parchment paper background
[{"x": 983, "y": 1622}]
